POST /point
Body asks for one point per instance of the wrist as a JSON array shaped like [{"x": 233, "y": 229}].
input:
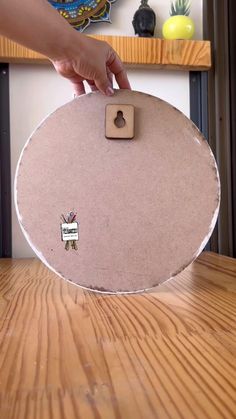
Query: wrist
[{"x": 68, "y": 47}]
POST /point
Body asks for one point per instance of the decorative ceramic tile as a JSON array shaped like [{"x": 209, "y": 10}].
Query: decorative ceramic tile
[{"x": 80, "y": 13}]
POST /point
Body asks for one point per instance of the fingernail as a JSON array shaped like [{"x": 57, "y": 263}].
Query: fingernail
[{"x": 109, "y": 91}]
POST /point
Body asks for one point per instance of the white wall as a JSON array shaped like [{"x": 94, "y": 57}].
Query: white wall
[
  {"x": 36, "y": 90},
  {"x": 123, "y": 11}
]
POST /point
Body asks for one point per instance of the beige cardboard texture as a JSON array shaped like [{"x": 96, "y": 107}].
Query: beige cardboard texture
[{"x": 145, "y": 208}]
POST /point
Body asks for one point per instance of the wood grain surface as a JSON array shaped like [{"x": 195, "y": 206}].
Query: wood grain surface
[
  {"x": 67, "y": 353},
  {"x": 161, "y": 53}
]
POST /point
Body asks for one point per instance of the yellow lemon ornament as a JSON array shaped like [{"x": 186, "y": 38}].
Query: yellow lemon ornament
[{"x": 179, "y": 25}]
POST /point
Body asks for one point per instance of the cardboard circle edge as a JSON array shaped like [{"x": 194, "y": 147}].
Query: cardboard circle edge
[{"x": 112, "y": 292}]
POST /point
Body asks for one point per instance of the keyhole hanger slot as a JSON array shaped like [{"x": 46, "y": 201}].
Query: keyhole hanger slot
[{"x": 119, "y": 121}]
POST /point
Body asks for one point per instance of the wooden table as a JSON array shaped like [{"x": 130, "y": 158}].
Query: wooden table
[{"x": 67, "y": 353}]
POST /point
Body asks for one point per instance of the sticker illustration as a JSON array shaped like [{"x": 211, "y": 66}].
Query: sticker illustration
[{"x": 70, "y": 230}]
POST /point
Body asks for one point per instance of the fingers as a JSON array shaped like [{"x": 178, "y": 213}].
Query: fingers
[
  {"x": 78, "y": 88},
  {"x": 103, "y": 84},
  {"x": 92, "y": 85},
  {"x": 116, "y": 67},
  {"x": 98, "y": 72},
  {"x": 110, "y": 76},
  {"x": 66, "y": 70}
]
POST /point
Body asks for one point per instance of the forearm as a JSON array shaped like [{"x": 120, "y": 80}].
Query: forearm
[{"x": 36, "y": 25}]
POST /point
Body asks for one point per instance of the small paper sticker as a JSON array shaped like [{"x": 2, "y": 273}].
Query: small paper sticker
[{"x": 70, "y": 231}]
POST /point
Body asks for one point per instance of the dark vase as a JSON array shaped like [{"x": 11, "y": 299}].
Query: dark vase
[{"x": 144, "y": 20}]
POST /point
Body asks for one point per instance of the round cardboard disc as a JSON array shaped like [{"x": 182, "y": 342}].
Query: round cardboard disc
[{"x": 145, "y": 207}]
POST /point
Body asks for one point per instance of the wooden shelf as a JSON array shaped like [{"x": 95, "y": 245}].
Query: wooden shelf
[{"x": 154, "y": 52}]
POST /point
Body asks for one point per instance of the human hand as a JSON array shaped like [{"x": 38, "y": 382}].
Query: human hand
[
  {"x": 74, "y": 55},
  {"x": 92, "y": 61}
]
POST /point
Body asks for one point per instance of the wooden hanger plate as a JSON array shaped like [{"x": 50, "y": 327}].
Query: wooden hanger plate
[{"x": 145, "y": 208}]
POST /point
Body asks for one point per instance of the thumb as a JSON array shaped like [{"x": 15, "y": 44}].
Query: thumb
[{"x": 104, "y": 84}]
